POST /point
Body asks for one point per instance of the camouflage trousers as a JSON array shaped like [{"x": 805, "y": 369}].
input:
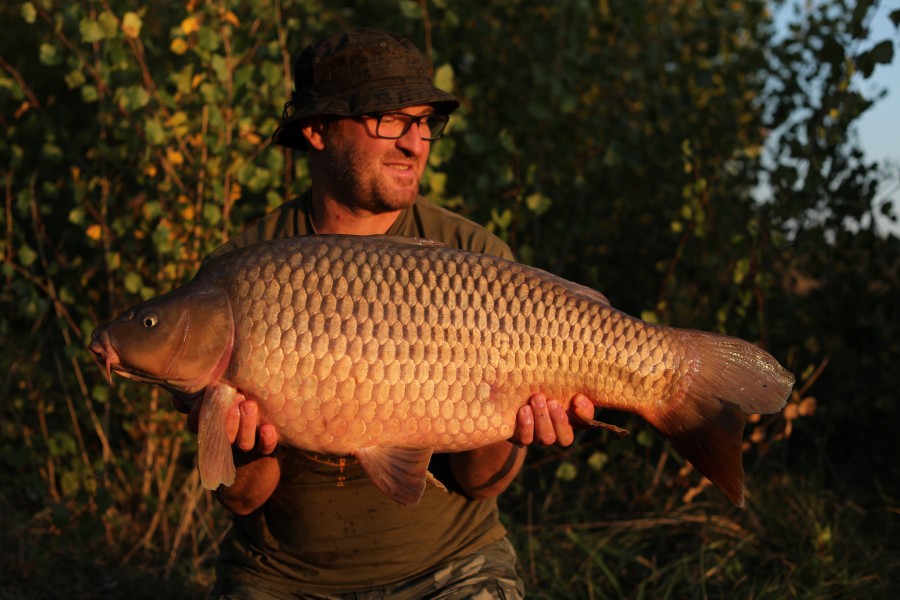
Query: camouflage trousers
[{"x": 488, "y": 574}]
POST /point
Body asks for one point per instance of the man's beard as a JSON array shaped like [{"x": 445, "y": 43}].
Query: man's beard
[{"x": 352, "y": 183}]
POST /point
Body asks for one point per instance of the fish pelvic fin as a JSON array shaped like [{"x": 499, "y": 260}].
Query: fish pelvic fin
[
  {"x": 726, "y": 378},
  {"x": 214, "y": 455},
  {"x": 400, "y": 473}
]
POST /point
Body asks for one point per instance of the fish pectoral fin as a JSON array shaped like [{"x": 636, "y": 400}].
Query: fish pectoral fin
[
  {"x": 400, "y": 473},
  {"x": 213, "y": 448}
]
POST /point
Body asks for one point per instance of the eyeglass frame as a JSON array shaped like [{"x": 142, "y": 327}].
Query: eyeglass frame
[{"x": 417, "y": 119}]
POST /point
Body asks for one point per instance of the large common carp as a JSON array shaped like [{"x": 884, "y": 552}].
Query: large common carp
[{"x": 389, "y": 349}]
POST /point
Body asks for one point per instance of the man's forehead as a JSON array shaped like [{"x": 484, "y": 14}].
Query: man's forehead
[{"x": 419, "y": 109}]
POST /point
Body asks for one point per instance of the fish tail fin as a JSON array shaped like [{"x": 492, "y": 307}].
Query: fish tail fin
[
  {"x": 214, "y": 455},
  {"x": 726, "y": 378}
]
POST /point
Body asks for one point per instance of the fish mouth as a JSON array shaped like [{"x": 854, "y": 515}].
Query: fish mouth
[
  {"x": 108, "y": 359},
  {"x": 104, "y": 354}
]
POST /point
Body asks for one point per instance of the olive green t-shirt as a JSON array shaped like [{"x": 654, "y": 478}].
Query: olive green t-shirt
[{"x": 326, "y": 528}]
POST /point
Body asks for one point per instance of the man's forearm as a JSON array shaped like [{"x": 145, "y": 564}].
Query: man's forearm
[
  {"x": 253, "y": 484},
  {"x": 486, "y": 472}
]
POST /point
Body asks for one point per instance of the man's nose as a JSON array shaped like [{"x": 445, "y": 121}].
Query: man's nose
[{"x": 412, "y": 143}]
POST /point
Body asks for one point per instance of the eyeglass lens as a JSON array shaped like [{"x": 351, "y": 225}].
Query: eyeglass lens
[{"x": 395, "y": 125}]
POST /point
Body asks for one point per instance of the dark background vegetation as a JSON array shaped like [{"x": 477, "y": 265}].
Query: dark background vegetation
[{"x": 687, "y": 158}]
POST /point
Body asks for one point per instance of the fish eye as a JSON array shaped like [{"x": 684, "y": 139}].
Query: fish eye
[{"x": 150, "y": 321}]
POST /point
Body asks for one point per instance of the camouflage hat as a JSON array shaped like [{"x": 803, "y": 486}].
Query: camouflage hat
[{"x": 354, "y": 73}]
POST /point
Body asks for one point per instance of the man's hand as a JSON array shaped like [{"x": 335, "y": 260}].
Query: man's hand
[
  {"x": 258, "y": 470},
  {"x": 241, "y": 424},
  {"x": 487, "y": 471},
  {"x": 542, "y": 421}
]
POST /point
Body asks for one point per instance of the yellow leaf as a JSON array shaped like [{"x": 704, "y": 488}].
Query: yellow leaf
[
  {"x": 175, "y": 157},
  {"x": 232, "y": 18},
  {"x": 790, "y": 411},
  {"x": 23, "y": 108},
  {"x": 131, "y": 24},
  {"x": 76, "y": 173},
  {"x": 190, "y": 25},
  {"x": 252, "y": 138},
  {"x": 807, "y": 407},
  {"x": 150, "y": 171},
  {"x": 235, "y": 192},
  {"x": 95, "y": 232},
  {"x": 187, "y": 213},
  {"x": 195, "y": 81},
  {"x": 178, "y": 46},
  {"x": 178, "y": 118}
]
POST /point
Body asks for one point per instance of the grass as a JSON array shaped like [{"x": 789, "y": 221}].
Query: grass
[
  {"x": 604, "y": 519},
  {"x": 793, "y": 539}
]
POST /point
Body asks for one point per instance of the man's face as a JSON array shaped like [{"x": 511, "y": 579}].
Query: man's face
[{"x": 373, "y": 174}]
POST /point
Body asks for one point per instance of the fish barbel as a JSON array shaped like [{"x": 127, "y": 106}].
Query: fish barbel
[{"x": 389, "y": 349}]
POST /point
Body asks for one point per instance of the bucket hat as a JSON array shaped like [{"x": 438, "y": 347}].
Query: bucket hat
[{"x": 357, "y": 72}]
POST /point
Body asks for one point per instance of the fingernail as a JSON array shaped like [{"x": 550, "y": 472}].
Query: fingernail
[{"x": 249, "y": 408}]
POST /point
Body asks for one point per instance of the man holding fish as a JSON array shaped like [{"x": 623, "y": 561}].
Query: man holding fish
[
  {"x": 346, "y": 372},
  {"x": 366, "y": 111}
]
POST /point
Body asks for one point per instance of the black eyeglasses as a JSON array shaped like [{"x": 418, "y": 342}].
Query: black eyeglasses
[{"x": 394, "y": 125}]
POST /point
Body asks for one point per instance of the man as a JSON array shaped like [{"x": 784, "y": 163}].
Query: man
[{"x": 367, "y": 112}]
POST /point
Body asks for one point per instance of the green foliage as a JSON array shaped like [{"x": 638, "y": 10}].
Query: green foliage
[{"x": 686, "y": 158}]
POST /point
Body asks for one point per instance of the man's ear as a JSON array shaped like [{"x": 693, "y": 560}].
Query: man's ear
[{"x": 314, "y": 132}]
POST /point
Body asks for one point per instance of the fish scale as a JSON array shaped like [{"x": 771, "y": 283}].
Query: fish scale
[
  {"x": 390, "y": 349},
  {"x": 469, "y": 308}
]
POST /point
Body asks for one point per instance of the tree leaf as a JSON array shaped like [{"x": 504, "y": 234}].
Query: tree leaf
[
  {"x": 881, "y": 54},
  {"x": 566, "y": 471},
  {"x": 131, "y": 24},
  {"x": 29, "y": 13},
  {"x": 91, "y": 31},
  {"x": 49, "y": 55}
]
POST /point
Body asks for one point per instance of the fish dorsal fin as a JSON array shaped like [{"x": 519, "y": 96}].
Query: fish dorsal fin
[
  {"x": 589, "y": 292},
  {"x": 400, "y": 473},
  {"x": 213, "y": 448},
  {"x": 408, "y": 241}
]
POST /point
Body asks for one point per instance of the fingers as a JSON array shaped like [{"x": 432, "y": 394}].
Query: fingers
[
  {"x": 524, "y": 434},
  {"x": 242, "y": 426},
  {"x": 581, "y": 409},
  {"x": 268, "y": 439},
  {"x": 543, "y": 422},
  {"x": 544, "y": 433}
]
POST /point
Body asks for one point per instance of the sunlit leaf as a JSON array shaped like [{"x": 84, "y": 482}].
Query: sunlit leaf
[
  {"x": 566, "y": 471},
  {"x": 538, "y": 203},
  {"x": 131, "y": 24},
  {"x": 29, "y": 13},
  {"x": 190, "y": 25},
  {"x": 133, "y": 282},
  {"x": 94, "y": 232},
  {"x": 49, "y": 55},
  {"x": 443, "y": 77},
  {"x": 597, "y": 461},
  {"x": 91, "y": 31},
  {"x": 178, "y": 46}
]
